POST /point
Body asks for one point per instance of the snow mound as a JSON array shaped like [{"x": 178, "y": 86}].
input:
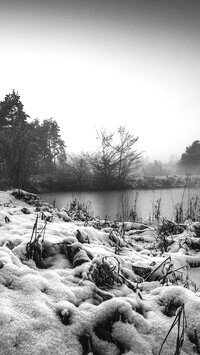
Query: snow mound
[{"x": 70, "y": 288}]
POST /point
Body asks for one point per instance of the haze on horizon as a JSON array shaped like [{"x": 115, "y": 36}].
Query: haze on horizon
[{"x": 91, "y": 64}]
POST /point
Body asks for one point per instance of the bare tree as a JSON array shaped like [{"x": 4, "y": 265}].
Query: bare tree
[
  {"x": 81, "y": 169},
  {"x": 103, "y": 162},
  {"x": 116, "y": 162},
  {"x": 129, "y": 160}
]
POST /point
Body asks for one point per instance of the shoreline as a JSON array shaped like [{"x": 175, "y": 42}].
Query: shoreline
[
  {"x": 64, "y": 274},
  {"x": 140, "y": 183}
]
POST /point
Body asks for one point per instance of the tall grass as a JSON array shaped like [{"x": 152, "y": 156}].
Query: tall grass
[
  {"x": 125, "y": 213},
  {"x": 189, "y": 209}
]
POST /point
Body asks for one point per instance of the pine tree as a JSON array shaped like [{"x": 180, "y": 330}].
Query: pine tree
[{"x": 14, "y": 137}]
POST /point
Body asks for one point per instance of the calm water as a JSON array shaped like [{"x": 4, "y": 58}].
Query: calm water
[{"x": 110, "y": 202}]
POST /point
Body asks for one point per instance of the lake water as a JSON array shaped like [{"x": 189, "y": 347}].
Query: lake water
[{"x": 111, "y": 203}]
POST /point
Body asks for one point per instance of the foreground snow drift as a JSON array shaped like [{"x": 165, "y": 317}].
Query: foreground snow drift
[{"x": 75, "y": 289}]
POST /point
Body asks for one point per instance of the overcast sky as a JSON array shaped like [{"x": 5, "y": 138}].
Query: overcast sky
[{"x": 91, "y": 64}]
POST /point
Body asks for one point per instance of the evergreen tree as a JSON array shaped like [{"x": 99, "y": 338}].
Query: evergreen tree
[
  {"x": 14, "y": 137},
  {"x": 191, "y": 156},
  {"x": 190, "y": 159},
  {"x": 11, "y": 111},
  {"x": 27, "y": 149}
]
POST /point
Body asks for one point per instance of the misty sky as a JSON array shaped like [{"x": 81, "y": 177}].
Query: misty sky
[{"x": 91, "y": 64}]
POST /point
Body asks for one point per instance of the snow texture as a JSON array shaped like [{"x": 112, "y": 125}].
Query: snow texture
[{"x": 87, "y": 293}]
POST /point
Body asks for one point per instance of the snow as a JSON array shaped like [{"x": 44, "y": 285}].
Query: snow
[{"x": 86, "y": 298}]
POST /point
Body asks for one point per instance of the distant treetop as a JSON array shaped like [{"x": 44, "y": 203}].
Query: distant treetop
[
  {"x": 11, "y": 110},
  {"x": 191, "y": 157}
]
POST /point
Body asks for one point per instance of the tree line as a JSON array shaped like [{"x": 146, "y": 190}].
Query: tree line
[
  {"x": 187, "y": 164},
  {"x": 33, "y": 154}
]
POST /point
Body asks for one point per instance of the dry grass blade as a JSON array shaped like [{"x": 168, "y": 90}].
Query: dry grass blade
[
  {"x": 128, "y": 283},
  {"x": 157, "y": 268},
  {"x": 34, "y": 228},
  {"x": 103, "y": 274},
  {"x": 34, "y": 248},
  {"x": 180, "y": 318},
  {"x": 43, "y": 231},
  {"x": 197, "y": 341},
  {"x": 118, "y": 262},
  {"x": 171, "y": 272},
  {"x": 28, "y": 246}
]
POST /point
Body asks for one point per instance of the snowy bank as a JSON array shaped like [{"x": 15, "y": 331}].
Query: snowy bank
[{"x": 75, "y": 286}]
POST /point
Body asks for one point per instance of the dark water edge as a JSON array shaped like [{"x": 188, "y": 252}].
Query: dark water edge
[
  {"x": 139, "y": 183},
  {"x": 42, "y": 185}
]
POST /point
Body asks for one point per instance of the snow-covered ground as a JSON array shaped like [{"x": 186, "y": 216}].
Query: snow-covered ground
[{"x": 76, "y": 289}]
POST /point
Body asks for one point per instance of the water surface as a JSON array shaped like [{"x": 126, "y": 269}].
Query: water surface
[{"x": 111, "y": 203}]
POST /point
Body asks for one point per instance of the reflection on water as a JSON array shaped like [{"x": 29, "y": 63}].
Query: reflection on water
[{"x": 109, "y": 203}]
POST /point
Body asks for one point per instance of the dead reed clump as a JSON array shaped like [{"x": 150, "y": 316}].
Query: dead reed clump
[{"x": 34, "y": 248}]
